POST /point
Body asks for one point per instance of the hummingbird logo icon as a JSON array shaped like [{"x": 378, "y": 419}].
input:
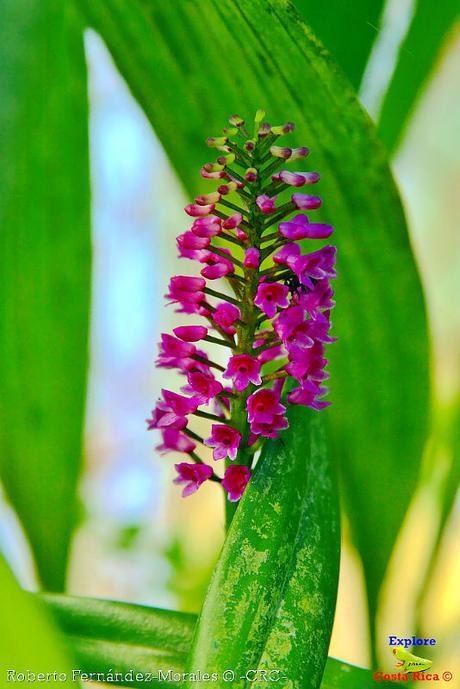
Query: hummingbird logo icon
[{"x": 408, "y": 662}]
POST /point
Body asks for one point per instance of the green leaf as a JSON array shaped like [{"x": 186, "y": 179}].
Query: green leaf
[
  {"x": 28, "y": 640},
  {"x": 44, "y": 272},
  {"x": 347, "y": 29},
  {"x": 190, "y": 65},
  {"x": 418, "y": 54},
  {"x": 442, "y": 475},
  {"x": 271, "y": 601},
  {"x": 109, "y": 636}
]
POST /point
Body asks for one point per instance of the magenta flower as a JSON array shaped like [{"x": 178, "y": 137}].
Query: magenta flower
[
  {"x": 202, "y": 385},
  {"x": 266, "y": 204},
  {"x": 235, "y": 481},
  {"x": 233, "y": 221},
  {"x": 217, "y": 267},
  {"x": 308, "y": 394},
  {"x": 175, "y": 441},
  {"x": 225, "y": 315},
  {"x": 252, "y": 258},
  {"x": 225, "y": 440},
  {"x": 175, "y": 408},
  {"x": 306, "y": 202},
  {"x": 271, "y": 320},
  {"x": 271, "y": 295},
  {"x": 300, "y": 227},
  {"x": 193, "y": 475},
  {"x": 197, "y": 211},
  {"x": 264, "y": 405},
  {"x": 243, "y": 369},
  {"x": 191, "y": 246},
  {"x": 190, "y": 333},
  {"x": 206, "y": 228}
]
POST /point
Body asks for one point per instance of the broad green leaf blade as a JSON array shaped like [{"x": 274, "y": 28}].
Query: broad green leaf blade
[
  {"x": 271, "y": 601},
  {"x": 44, "y": 271},
  {"x": 190, "y": 65},
  {"x": 110, "y": 636},
  {"x": 29, "y": 641},
  {"x": 417, "y": 57},
  {"x": 105, "y": 635},
  {"x": 347, "y": 29}
]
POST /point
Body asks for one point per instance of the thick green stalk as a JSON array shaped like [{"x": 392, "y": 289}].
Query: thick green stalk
[{"x": 245, "y": 336}]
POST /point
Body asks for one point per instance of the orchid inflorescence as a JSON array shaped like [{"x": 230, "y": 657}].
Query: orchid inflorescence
[{"x": 275, "y": 323}]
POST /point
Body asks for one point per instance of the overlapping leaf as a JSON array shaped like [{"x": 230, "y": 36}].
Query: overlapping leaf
[
  {"x": 28, "y": 642},
  {"x": 418, "y": 54},
  {"x": 106, "y": 636},
  {"x": 190, "y": 65},
  {"x": 44, "y": 270},
  {"x": 347, "y": 29},
  {"x": 271, "y": 601}
]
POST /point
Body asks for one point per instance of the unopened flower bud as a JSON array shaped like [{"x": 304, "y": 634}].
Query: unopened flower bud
[
  {"x": 251, "y": 174},
  {"x": 228, "y": 188},
  {"x": 214, "y": 141},
  {"x": 236, "y": 121},
  {"x": 281, "y": 152},
  {"x": 283, "y": 129}
]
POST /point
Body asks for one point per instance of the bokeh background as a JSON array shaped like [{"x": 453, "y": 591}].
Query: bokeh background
[{"x": 137, "y": 540}]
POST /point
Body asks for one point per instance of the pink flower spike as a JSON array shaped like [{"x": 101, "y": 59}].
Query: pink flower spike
[
  {"x": 233, "y": 221},
  {"x": 305, "y": 202},
  {"x": 175, "y": 441},
  {"x": 266, "y": 204},
  {"x": 225, "y": 316},
  {"x": 235, "y": 481},
  {"x": 190, "y": 333},
  {"x": 196, "y": 211},
  {"x": 193, "y": 475},
  {"x": 252, "y": 258},
  {"x": 225, "y": 440},
  {"x": 243, "y": 369},
  {"x": 270, "y": 295},
  {"x": 202, "y": 385}
]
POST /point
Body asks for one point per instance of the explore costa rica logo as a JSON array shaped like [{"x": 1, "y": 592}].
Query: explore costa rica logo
[{"x": 411, "y": 668}]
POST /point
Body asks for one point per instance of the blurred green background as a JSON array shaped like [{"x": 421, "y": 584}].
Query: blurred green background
[{"x": 72, "y": 419}]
